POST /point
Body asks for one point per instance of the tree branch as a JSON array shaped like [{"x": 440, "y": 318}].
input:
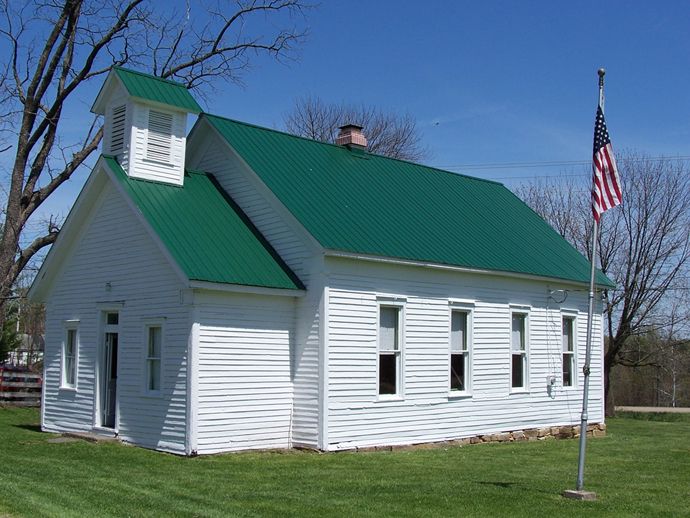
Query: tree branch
[{"x": 30, "y": 251}]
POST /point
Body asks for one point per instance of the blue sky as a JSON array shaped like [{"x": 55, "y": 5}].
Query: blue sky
[
  {"x": 488, "y": 82},
  {"x": 506, "y": 82}
]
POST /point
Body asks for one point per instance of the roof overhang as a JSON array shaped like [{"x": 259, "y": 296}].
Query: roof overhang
[
  {"x": 241, "y": 288},
  {"x": 99, "y": 104},
  {"x": 113, "y": 81}
]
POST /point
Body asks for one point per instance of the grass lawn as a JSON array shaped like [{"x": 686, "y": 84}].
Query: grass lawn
[{"x": 642, "y": 468}]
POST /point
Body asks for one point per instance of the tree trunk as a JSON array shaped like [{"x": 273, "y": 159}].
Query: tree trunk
[{"x": 6, "y": 263}]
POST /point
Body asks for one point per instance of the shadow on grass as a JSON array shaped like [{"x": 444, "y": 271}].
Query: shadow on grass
[
  {"x": 517, "y": 486},
  {"x": 666, "y": 417},
  {"x": 30, "y": 427},
  {"x": 504, "y": 485}
]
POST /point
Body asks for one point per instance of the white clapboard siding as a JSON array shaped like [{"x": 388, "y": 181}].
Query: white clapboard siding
[
  {"x": 143, "y": 166},
  {"x": 425, "y": 412},
  {"x": 305, "y": 417},
  {"x": 244, "y": 376},
  {"x": 242, "y": 185},
  {"x": 115, "y": 248}
]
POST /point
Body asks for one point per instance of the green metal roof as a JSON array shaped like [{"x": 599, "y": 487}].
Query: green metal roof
[
  {"x": 152, "y": 88},
  {"x": 368, "y": 204},
  {"x": 206, "y": 233}
]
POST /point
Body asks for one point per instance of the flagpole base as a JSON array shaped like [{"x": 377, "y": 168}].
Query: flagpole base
[{"x": 574, "y": 494}]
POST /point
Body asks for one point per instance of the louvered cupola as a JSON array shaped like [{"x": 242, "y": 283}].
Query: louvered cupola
[{"x": 145, "y": 124}]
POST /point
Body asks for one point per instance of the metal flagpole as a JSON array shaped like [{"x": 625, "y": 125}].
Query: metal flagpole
[{"x": 590, "y": 316}]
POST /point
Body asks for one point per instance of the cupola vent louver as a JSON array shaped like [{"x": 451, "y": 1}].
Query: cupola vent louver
[{"x": 159, "y": 141}]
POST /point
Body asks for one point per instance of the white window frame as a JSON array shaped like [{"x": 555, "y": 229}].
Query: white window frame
[
  {"x": 572, "y": 316},
  {"x": 70, "y": 326},
  {"x": 399, "y": 305},
  {"x": 468, "y": 310},
  {"x": 148, "y": 360},
  {"x": 525, "y": 313}
]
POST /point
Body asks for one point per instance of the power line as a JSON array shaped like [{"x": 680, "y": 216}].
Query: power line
[
  {"x": 552, "y": 163},
  {"x": 535, "y": 177}
]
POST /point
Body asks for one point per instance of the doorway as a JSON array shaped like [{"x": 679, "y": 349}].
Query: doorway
[{"x": 108, "y": 374}]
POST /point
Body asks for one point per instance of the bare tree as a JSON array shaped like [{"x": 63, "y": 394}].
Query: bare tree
[
  {"x": 644, "y": 247},
  {"x": 388, "y": 134},
  {"x": 58, "y": 49},
  {"x": 663, "y": 376}
]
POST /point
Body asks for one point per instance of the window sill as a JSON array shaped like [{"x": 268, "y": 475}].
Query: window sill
[
  {"x": 67, "y": 389},
  {"x": 389, "y": 397},
  {"x": 459, "y": 395},
  {"x": 519, "y": 391}
]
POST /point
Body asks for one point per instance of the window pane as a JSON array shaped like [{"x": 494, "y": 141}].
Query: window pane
[
  {"x": 388, "y": 329},
  {"x": 567, "y": 334},
  {"x": 112, "y": 319},
  {"x": 567, "y": 370},
  {"x": 457, "y": 372},
  {"x": 387, "y": 373},
  {"x": 71, "y": 342},
  {"x": 518, "y": 333},
  {"x": 154, "y": 342},
  {"x": 113, "y": 354},
  {"x": 154, "y": 375},
  {"x": 518, "y": 378},
  {"x": 69, "y": 371},
  {"x": 69, "y": 359},
  {"x": 458, "y": 331}
]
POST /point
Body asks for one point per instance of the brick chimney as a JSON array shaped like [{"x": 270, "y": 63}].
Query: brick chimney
[{"x": 351, "y": 136}]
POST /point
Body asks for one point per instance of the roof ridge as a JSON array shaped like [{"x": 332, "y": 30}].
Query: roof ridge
[
  {"x": 150, "y": 76},
  {"x": 273, "y": 130}
]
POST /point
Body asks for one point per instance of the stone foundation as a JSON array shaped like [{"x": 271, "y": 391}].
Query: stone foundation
[{"x": 531, "y": 434}]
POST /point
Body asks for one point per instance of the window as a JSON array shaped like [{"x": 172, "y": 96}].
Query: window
[
  {"x": 159, "y": 142},
  {"x": 459, "y": 351},
  {"x": 153, "y": 358},
  {"x": 568, "y": 351},
  {"x": 69, "y": 359},
  {"x": 117, "y": 129},
  {"x": 389, "y": 349},
  {"x": 518, "y": 346}
]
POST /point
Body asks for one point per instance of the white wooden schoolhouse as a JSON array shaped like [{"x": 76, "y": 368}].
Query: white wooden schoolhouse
[{"x": 239, "y": 287}]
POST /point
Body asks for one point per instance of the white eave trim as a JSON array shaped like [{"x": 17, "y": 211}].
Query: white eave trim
[
  {"x": 447, "y": 267},
  {"x": 243, "y": 288},
  {"x": 86, "y": 199},
  {"x": 98, "y": 106},
  {"x": 142, "y": 220}
]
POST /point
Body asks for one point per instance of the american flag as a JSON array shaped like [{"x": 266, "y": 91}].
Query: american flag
[{"x": 606, "y": 185}]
